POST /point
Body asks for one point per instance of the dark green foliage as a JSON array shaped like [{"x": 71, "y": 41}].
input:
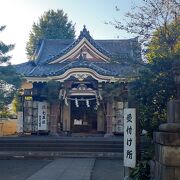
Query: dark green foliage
[
  {"x": 142, "y": 169},
  {"x": 141, "y": 172},
  {"x": 52, "y": 25},
  {"x": 8, "y": 74},
  {"x": 114, "y": 91},
  {"x": 9, "y": 83},
  {"x": 52, "y": 89},
  {"x": 156, "y": 22},
  {"x": 4, "y": 49},
  {"x": 154, "y": 88}
]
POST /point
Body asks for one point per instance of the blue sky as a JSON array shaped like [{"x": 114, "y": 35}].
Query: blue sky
[{"x": 19, "y": 15}]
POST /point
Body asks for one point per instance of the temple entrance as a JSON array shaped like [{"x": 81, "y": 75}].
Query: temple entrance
[{"x": 83, "y": 115}]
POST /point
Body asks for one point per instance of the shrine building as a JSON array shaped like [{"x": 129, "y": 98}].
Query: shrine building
[{"x": 64, "y": 88}]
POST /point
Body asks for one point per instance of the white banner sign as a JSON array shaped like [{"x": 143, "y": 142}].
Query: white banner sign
[
  {"x": 130, "y": 137},
  {"x": 42, "y": 116}
]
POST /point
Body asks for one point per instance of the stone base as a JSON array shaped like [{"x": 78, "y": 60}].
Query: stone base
[
  {"x": 174, "y": 111},
  {"x": 167, "y": 153},
  {"x": 170, "y": 127},
  {"x": 163, "y": 172},
  {"x": 167, "y": 138}
]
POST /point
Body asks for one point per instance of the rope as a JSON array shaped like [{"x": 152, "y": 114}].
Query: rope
[{"x": 82, "y": 99}]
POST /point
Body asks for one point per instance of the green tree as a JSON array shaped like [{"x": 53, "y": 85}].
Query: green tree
[
  {"x": 9, "y": 83},
  {"x": 52, "y": 25},
  {"x": 154, "y": 18},
  {"x": 4, "y": 49},
  {"x": 157, "y": 23},
  {"x": 155, "y": 86},
  {"x": 8, "y": 75},
  {"x": 159, "y": 45},
  {"x": 151, "y": 92}
]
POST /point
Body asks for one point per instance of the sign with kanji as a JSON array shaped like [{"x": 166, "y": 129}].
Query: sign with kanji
[
  {"x": 130, "y": 137},
  {"x": 42, "y": 116}
]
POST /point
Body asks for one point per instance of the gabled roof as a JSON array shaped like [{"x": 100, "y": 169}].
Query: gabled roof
[
  {"x": 84, "y": 35},
  {"x": 51, "y": 49}
]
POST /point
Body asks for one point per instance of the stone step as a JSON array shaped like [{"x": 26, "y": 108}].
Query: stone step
[
  {"x": 69, "y": 149},
  {"x": 60, "y": 147},
  {"x": 58, "y": 154},
  {"x": 60, "y": 141}
]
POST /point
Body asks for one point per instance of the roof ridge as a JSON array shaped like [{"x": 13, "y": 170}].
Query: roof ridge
[
  {"x": 134, "y": 38},
  {"x": 116, "y": 40},
  {"x": 58, "y": 39},
  {"x": 83, "y": 34}
]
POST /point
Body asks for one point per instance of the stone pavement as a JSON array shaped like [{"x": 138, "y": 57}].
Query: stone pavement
[
  {"x": 106, "y": 169},
  {"x": 61, "y": 169},
  {"x": 66, "y": 169},
  {"x": 20, "y": 169}
]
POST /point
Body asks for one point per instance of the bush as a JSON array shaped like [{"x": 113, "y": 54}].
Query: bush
[{"x": 141, "y": 172}]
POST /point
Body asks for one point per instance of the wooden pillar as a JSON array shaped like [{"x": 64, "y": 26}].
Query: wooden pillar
[
  {"x": 109, "y": 119},
  {"x": 100, "y": 120},
  {"x": 67, "y": 117},
  {"x": 54, "y": 117}
]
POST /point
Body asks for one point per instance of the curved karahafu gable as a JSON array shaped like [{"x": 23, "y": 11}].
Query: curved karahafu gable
[{"x": 62, "y": 71}]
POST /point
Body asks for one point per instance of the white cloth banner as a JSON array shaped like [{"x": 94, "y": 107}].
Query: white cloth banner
[
  {"x": 130, "y": 137},
  {"x": 42, "y": 116}
]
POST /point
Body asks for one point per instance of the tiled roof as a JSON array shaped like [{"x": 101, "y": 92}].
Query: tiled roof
[
  {"x": 44, "y": 70},
  {"x": 51, "y": 49}
]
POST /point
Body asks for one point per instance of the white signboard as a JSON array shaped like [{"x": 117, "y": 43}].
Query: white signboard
[
  {"x": 42, "y": 115},
  {"x": 20, "y": 122},
  {"x": 130, "y": 137}
]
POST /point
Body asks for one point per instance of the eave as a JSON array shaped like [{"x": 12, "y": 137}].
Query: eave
[{"x": 79, "y": 73}]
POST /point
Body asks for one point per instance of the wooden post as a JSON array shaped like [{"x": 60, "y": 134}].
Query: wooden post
[{"x": 109, "y": 120}]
